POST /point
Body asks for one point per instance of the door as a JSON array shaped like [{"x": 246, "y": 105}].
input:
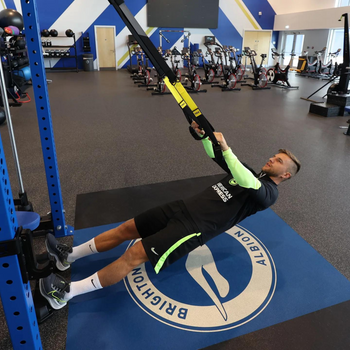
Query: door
[
  {"x": 258, "y": 40},
  {"x": 105, "y": 43}
]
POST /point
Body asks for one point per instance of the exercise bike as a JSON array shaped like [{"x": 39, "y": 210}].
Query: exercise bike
[
  {"x": 328, "y": 69},
  {"x": 260, "y": 78},
  {"x": 229, "y": 78},
  {"x": 191, "y": 75},
  {"x": 144, "y": 72},
  {"x": 218, "y": 69},
  {"x": 238, "y": 69},
  {"x": 209, "y": 73},
  {"x": 278, "y": 76},
  {"x": 160, "y": 87},
  {"x": 175, "y": 62},
  {"x": 307, "y": 68}
]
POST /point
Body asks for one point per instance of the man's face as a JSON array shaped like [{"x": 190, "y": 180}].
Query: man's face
[{"x": 277, "y": 165}]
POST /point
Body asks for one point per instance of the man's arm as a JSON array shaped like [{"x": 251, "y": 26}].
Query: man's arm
[
  {"x": 230, "y": 163},
  {"x": 243, "y": 176},
  {"x": 208, "y": 146}
]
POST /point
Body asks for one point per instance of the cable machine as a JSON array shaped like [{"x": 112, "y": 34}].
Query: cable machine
[{"x": 15, "y": 262}]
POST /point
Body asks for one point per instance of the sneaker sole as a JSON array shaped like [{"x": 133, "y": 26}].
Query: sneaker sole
[
  {"x": 59, "y": 265},
  {"x": 54, "y": 304}
]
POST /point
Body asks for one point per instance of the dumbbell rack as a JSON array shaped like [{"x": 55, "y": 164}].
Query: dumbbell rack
[{"x": 56, "y": 56}]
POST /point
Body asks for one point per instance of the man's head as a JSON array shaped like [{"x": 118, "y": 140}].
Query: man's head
[{"x": 282, "y": 166}]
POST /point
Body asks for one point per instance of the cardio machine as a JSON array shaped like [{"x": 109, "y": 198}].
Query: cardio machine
[
  {"x": 143, "y": 76},
  {"x": 209, "y": 72},
  {"x": 328, "y": 68},
  {"x": 191, "y": 75},
  {"x": 278, "y": 76},
  {"x": 306, "y": 67},
  {"x": 160, "y": 87},
  {"x": 236, "y": 66},
  {"x": 229, "y": 78},
  {"x": 260, "y": 78},
  {"x": 175, "y": 62}
]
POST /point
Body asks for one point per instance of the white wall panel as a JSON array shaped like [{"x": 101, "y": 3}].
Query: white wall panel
[
  {"x": 288, "y": 6},
  {"x": 321, "y": 19}
]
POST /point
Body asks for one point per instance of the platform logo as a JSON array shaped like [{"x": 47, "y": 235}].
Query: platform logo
[{"x": 222, "y": 285}]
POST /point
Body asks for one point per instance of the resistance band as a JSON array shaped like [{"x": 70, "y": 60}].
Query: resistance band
[{"x": 188, "y": 106}]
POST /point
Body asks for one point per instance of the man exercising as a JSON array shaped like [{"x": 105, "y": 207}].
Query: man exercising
[{"x": 171, "y": 231}]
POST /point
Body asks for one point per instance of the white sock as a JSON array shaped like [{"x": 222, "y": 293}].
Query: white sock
[
  {"x": 84, "y": 286},
  {"x": 82, "y": 250}
]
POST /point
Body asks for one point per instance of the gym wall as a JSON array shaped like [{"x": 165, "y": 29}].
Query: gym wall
[
  {"x": 287, "y": 6},
  {"x": 319, "y": 19},
  {"x": 82, "y": 15}
]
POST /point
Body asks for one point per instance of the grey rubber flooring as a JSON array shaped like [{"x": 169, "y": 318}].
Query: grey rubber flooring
[{"x": 110, "y": 134}]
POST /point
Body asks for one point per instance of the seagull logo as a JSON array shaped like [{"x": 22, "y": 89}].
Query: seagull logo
[
  {"x": 221, "y": 285},
  {"x": 202, "y": 259}
]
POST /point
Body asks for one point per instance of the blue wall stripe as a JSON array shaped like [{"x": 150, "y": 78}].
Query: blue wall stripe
[
  {"x": 275, "y": 37},
  {"x": 109, "y": 17},
  {"x": 267, "y": 19},
  {"x": 226, "y": 33},
  {"x": 10, "y": 4},
  {"x": 50, "y": 10}
]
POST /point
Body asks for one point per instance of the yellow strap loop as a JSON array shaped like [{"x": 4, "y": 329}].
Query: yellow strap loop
[{"x": 182, "y": 96}]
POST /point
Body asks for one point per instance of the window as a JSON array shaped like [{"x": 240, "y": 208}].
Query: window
[
  {"x": 336, "y": 42},
  {"x": 341, "y": 3},
  {"x": 292, "y": 43}
]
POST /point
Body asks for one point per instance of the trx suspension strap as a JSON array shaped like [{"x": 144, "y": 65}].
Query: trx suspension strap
[{"x": 190, "y": 109}]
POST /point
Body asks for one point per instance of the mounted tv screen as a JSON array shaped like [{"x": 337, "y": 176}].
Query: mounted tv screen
[{"x": 183, "y": 13}]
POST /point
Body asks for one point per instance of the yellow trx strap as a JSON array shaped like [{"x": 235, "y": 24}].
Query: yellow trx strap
[{"x": 182, "y": 97}]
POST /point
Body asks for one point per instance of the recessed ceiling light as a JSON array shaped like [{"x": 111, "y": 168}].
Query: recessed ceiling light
[{"x": 287, "y": 27}]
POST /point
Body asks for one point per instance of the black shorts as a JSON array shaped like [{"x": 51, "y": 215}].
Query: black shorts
[{"x": 168, "y": 233}]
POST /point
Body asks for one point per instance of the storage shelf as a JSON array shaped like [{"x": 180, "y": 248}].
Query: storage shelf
[
  {"x": 65, "y": 69},
  {"x": 48, "y": 47},
  {"x": 45, "y": 48},
  {"x": 58, "y": 36},
  {"x": 71, "y": 56}
]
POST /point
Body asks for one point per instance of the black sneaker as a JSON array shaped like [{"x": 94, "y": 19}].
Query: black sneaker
[
  {"x": 59, "y": 251},
  {"x": 53, "y": 288}
]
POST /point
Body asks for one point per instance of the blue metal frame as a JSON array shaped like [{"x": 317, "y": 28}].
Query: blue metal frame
[
  {"x": 35, "y": 54},
  {"x": 16, "y": 296}
]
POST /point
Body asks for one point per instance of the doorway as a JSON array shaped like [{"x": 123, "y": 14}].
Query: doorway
[
  {"x": 258, "y": 40},
  {"x": 105, "y": 47}
]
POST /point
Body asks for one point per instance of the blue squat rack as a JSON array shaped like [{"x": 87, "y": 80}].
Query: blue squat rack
[{"x": 15, "y": 291}]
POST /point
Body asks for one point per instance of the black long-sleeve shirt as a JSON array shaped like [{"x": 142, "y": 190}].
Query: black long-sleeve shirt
[{"x": 238, "y": 195}]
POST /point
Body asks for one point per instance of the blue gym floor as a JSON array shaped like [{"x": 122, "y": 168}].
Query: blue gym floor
[{"x": 266, "y": 275}]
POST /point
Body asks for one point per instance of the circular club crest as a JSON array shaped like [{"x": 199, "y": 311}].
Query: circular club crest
[{"x": 221, "y": 285}]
